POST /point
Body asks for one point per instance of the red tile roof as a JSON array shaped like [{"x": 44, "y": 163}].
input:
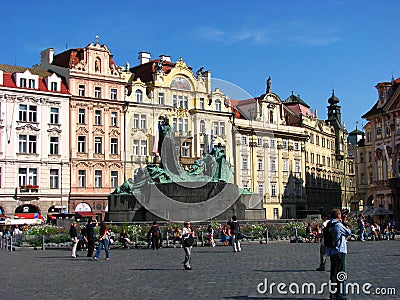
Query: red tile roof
[
  {"x": 8, "y": 80},
  {"x": 145, "y": 71}
]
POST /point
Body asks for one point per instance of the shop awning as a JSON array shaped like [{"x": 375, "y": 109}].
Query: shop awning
[{"x": 85, "y": 213}]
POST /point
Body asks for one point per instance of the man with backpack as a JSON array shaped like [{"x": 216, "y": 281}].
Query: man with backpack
[
  {"x": 335, "y": 243},
  {"x": 322, "y": 250}
]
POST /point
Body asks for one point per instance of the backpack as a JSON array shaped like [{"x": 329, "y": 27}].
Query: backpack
[{"x": 329, "y": 236}]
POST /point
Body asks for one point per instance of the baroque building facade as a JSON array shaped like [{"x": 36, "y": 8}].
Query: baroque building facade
[
  {"x": 158, "y": 89},
  {"x": 34, "y": 142},
  {"x": 379, "y": 155},
  {"x": 96, "y": 120}
]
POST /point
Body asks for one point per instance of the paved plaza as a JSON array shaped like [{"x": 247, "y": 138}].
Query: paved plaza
[{"x": 218, "y": 273}]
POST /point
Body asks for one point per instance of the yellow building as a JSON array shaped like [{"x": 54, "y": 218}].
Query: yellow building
[{"x": 159, "y": 88}]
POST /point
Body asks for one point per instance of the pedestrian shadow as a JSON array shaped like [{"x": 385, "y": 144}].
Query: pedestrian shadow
[
  {"x": 154, "y": 269},
  {"x": 263, "y": 297},
  {"x": 287, "y": 271}
]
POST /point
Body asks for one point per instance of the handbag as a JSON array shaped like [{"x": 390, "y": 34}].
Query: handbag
[
  {"x": 189, "y": 241},
  {"x": 240, "y": 236}
]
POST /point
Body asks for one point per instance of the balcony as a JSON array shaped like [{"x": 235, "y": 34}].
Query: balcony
[{"x": 30, "y": 188}]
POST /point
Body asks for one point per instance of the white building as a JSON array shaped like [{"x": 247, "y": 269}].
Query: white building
[{"x": 34, "y": 142}]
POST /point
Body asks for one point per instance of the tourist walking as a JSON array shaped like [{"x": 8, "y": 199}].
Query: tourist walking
[
  {"x": 210, "y": 232},
  {"x": 187, "y": 242},
  {"x": 235, "y": 231},
  {"x": 322, "y": 250},
  {"x": 74, "y": 238},
  {"x": 90, "y": 236},
  {"x": 337, "y": 253},
  {"x": 154, "y": 235},
  {"x": 103, "y": 242}
]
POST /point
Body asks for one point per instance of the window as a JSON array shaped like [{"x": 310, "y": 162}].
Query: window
[
  {"x": 81, "y": 116},
  {"x": 161, "y": 98},
  {"x": 22, "y": 176},
  {"x": 312, "y": 158},
  {"x": 378, "y": 130},
  {"x": 114, "y": 146},
  {"x": 311, "y": 138},
  {"x": 285, "y": 144},
  {"x": 54, "y": 86},
  {"x": 139, "y": 96},
  {"x": 371, "y": 178},
  {"x": 272, "y": 144},
  {"x": 135, "y": 147},
  {"x": 31, "y": 144},
  {"x": 216, "y": 128},
  {"x": 143, "y": 122},
  {"x": 288, "y": 213},
  {"x": 244, "y": 140},
  {"x": 22, "y": 82},
  {"x": 81, "y": 178},
  {"x": 98, "y": 178},
  {"x": 136, "y": 121},
  {"x": 23, "y": 112},
  {"x": 380, "y": 170},
  {"x": 81, "y": 144},
  {"x": 113, "y": 94},
  {"x": 114, "y": 179},
  {"x": 259, "y": 142},
  {"x": 273, "y": 190},
  {"x": 186, "y": 149},
  {"x": 97, "y": 117},
  {"x": 53, "y": 145},
  {"x": 370, "y": 156},
  {"x": 31, "y": 83},
  {"x": 285, "y": 165},
  {"x": 143, "y": 147},
  {"x": 98, "y": 145},
  {"x": 97, "y": 92},
  {"x": 54, "y": 115},
  {"x": 186, "y": 125},
  {"x": 261, "y": 189},
  {"x": 245, "y": 165},
  {"x": 222, "y": 128},
  {"x": 202, "y": 126},
  {"x": 26, "y": 115},
  {"x": 260, "y": 164},
  {"x": 32, "y": 113},
  {"x": 387, "y": 128},
  {"x": 201, "y": 103},
  {"x": 317, "y": 140},
  {"x": 273, "y": 165},
  {"x": 218, "y": 105},
  {"x": 27, "y": 176},
  {"x": 32, "y": 176},
  {"x": 81, "y": 90},
  {"x": 271, "y": 116},
  {"x": 362, "y": 157},
  {"x": 297, "y": 168},
  {"x": 323, "y": 142},
  {"x": 114, "y": 117},
  {"x": 23, "y": 144},
  {"x": 54, "y": 179}
]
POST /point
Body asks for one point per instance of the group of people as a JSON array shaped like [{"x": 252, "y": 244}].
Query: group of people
[
  {"x": 86, "y": 238},
  {"x": 374, "y": 231}
]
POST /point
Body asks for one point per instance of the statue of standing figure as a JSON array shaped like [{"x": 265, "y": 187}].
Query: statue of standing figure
[{"x": 163, "y": 128}]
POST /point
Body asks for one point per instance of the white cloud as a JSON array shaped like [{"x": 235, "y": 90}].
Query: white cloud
[{"x": 276, "y": 34}]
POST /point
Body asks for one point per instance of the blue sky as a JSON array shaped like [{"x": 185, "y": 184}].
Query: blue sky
[{"x": 308, "y": 47}]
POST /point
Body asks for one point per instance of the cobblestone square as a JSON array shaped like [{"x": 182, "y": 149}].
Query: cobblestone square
[{"x": 218, "y": 273}]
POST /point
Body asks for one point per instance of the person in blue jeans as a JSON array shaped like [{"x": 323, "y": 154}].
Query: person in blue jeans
[{"x": 103, "y": 242}]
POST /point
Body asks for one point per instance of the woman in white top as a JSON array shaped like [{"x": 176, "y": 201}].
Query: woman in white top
[{"x": 187, "y": 234}]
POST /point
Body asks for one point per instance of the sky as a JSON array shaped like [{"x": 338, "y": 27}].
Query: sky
[{"x": 308, "y": 47}]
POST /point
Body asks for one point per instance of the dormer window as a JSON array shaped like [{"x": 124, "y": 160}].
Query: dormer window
[
  {"x": 26, "y": 80},
  {"x": 54, "y": 86}
]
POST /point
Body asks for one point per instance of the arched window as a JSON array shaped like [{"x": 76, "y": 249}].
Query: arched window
[
  {"x": 218, "y": 105},
  {"x": 202, "y": 126},
  {"x": 139, "y": 96},
  {"x": 271, "y": 116}
]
